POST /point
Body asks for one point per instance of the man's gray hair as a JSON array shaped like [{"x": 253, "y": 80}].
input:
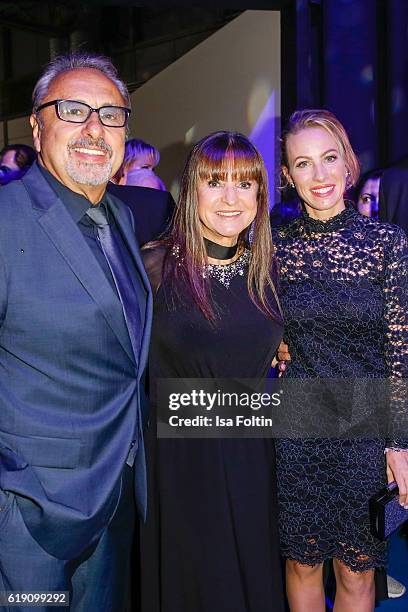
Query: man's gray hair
[{"x": 73, "y": 61}]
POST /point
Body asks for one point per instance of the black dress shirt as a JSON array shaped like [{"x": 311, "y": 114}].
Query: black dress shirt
[{"x": 77, "y": 205}]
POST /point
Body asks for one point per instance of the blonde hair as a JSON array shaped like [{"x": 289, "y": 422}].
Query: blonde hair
[
  {"x": 309, "y": 118},
  {"x": 135, "y": 148}
]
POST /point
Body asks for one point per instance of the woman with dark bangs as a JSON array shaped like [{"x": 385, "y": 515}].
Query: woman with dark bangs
[{"x": 211, "y": 543}]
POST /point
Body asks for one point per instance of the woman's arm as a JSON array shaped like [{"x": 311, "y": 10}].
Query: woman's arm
[{"x": 396, "y": 355}]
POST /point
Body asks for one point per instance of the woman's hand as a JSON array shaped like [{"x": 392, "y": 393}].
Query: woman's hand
[
  {"x": 397, "y": 469},
  {"x": 282, "y": 356}
]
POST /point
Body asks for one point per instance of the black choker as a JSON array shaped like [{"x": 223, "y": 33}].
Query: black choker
[{"x": 218, "y": 251}]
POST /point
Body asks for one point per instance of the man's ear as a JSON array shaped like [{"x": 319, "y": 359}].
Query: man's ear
[{"x": 35, "y": 126}]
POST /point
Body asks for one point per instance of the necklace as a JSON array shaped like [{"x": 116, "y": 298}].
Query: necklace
[
  {"x": 225, "y": 273},
  {"x": 218, "y": 251}
]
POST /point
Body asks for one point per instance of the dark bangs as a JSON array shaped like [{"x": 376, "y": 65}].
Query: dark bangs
[{"x": 228, "y": 153}]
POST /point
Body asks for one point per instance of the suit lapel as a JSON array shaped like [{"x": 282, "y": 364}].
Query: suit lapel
[{"x": 68, "y": 240}]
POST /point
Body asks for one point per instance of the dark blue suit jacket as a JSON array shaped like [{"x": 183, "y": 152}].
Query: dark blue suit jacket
[
  {"x": 152, "y": 209},
  {"x": 393, "y": 206},
  {"x": 71, "y": 392}
]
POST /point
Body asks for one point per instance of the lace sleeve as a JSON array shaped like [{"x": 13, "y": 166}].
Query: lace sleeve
[{"x": 396, "y": 337}]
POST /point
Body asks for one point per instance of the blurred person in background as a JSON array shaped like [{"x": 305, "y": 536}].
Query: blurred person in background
[
  {"x": 136, "y": 184},
  {"x": 368, "y": 193},
  {"x": 138, "y": 166},
  {"x": 393, "y": 205},
  {"x": 15, "y": 160}
]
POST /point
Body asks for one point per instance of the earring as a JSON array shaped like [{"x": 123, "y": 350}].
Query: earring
[
  {"x": 292, "y": 184},
  {"x": 348, "y": 179}
]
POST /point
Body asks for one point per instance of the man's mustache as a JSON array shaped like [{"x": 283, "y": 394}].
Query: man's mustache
[{"x": 89, "y": 143}]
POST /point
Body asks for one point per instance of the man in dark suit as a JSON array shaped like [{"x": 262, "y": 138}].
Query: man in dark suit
[
  {"x": 75, "y": 315},
  {"x": 393, "y": 206},
  {"x": 152, "y": 209}
]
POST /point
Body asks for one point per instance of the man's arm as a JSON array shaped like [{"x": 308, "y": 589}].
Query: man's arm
[{"x": 3, "y": 290}]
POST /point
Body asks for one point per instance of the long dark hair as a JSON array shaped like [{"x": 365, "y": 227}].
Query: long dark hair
[{"x": 214, "y": 158}]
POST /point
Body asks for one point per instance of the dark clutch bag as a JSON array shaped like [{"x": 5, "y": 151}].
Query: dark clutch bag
[{"x": 386, "y": 514}]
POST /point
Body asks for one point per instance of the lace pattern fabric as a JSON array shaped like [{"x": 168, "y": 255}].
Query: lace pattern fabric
[
  {"x": 323, "y": 506},
  {"x": 344, "y": 295}
]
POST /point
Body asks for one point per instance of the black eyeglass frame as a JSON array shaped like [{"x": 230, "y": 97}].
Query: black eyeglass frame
[{"x": 56, "y": 104}]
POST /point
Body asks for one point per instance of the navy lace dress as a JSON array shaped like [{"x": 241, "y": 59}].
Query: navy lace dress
[{"x": 344, "y": 293}]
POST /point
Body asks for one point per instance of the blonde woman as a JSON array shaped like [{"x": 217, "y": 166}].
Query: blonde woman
[{"x": 343, "y": 290}]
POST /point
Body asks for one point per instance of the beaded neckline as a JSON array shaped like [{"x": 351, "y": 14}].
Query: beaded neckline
[
  {"x": 224, "y": 273},
  {"x": 332, "y": 224}
]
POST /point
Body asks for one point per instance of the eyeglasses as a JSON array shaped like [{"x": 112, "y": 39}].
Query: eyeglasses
[{"x": 79, "y": 112}]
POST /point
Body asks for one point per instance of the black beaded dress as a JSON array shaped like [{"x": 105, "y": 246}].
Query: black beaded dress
[
  {"x": 211, "y": 539},
  {"x": 343, "y": 289}
]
